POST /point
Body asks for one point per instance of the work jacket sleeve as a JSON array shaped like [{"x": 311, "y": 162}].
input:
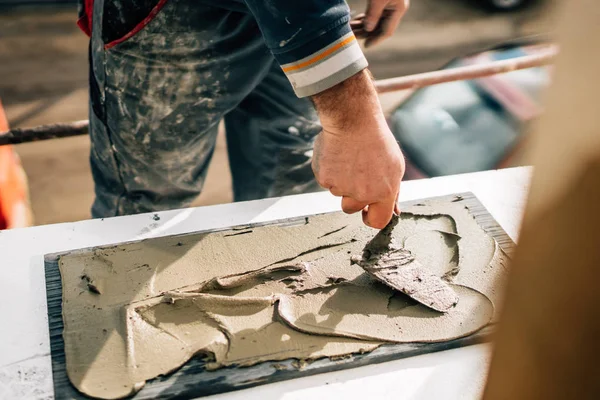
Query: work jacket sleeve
[{"x": 311, "y": 40}]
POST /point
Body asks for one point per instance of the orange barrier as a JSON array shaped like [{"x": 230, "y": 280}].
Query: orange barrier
[{"x": 15, "y": 210}]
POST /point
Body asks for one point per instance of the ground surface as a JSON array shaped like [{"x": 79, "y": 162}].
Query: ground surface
[{"x": 43, "y": 79}]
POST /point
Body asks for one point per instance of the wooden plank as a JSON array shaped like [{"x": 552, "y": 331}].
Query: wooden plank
[{"x": 192, "y": 380}]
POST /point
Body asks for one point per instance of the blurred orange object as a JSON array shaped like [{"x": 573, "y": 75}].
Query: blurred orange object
[{"x": 15, "y": 210}]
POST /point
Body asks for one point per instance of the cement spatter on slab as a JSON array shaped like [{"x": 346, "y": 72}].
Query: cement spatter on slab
[{"x": 159, "y": 302}]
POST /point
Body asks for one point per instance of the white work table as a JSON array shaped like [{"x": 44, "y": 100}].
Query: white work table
[{"x": 25, "y": 366}]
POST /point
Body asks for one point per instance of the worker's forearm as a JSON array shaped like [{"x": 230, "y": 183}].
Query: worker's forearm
[
  {"x": 351, "y": 106},
  {"x": 356, "y": 155}
]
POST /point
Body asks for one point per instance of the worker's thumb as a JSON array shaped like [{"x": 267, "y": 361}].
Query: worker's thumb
[{"x": 379, "y": 214}]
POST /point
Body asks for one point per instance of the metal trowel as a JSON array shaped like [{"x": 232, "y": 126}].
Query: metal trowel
[{"x": 397, "y": 268}]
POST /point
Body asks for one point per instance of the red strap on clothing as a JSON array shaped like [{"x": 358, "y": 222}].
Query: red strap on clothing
[{"x": 85, "y": 21}]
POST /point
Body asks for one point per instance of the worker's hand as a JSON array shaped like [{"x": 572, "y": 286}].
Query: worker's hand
[
  {"x": 356, "y": 155},
  {"x": 380, "y": 20},
  {"x": 365, "y": 167}
]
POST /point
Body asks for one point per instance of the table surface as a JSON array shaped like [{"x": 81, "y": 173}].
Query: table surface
[{"x": 25, "y": 366}]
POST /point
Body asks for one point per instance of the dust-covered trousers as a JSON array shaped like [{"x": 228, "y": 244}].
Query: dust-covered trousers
[{"x": 159, "y": 87}]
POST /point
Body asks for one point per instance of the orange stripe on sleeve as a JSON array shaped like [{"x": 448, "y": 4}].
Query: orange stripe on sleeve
[{"x": 320, "y": 56}]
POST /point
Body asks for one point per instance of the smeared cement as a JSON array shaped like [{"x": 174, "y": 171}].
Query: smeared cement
[
  {"x": 140, "y": 310},
  {"x": 398, "y": 268}
]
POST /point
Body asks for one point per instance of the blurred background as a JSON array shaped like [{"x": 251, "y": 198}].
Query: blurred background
[{"x": 444, "y": 129}]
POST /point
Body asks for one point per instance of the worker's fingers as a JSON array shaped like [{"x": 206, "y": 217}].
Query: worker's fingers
[
  {"x": 388, "y": 22},
  {"x": 396, "y": 205},
  {"x": 379, "y": 214},
  {"x": 357, "y": 21},
  {"x": 357, "y": 24},
  {"x": 387, "y": 26},
  {"x": 358, "y": 27},
  {"x": 391, "y": 21},
  {"x": 373, "y": 14},
  {"x": 351, "y": 206}
]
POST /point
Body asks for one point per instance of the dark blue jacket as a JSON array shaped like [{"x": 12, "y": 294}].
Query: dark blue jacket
[{"x": 311, "y": 40}]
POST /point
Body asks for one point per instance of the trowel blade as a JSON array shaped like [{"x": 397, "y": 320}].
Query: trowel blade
[{"x": 397, "y": 268}]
